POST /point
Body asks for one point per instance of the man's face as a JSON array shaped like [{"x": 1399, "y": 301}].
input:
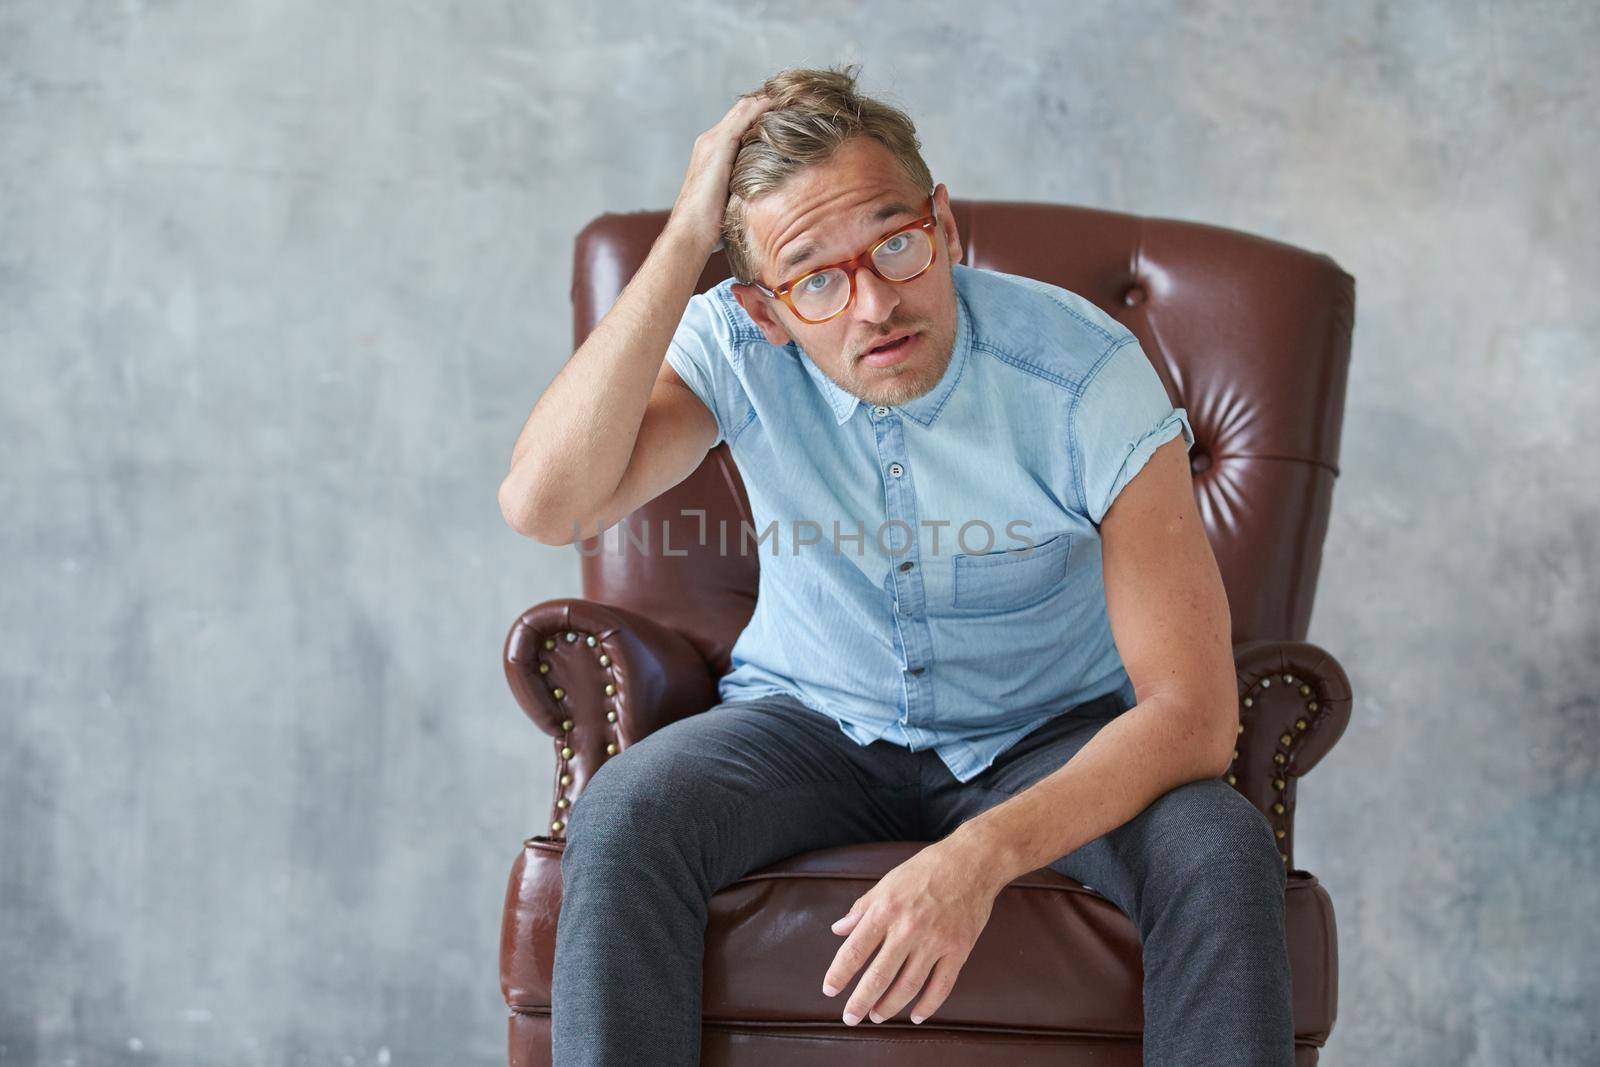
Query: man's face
[{"x": 830, "y": 208}]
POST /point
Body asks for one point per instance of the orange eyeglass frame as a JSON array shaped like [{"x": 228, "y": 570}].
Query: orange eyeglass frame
[{"x": 864, "y": 259}]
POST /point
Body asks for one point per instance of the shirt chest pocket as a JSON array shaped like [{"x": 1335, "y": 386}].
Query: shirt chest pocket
[{"x": 1011, "y": 578}]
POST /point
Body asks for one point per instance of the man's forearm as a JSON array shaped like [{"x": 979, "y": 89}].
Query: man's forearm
[
  {"x": 1153, "y": 747},
  {"x": 575, "y": 446}
]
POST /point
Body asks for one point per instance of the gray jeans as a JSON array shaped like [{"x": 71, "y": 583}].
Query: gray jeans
[{"x": 707, "y": 799}]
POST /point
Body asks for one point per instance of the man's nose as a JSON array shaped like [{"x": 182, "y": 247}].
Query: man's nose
[{"x": 876, "y": 298}]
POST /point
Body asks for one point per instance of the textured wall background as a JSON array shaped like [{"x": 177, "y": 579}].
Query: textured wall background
[{"x": 279, "y": 283}]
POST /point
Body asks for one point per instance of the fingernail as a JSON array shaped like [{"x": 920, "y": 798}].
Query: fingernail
[
  {"x": 828, "y": 990},
  {"x": 875, "y": 1016},
  {"x": 916, "y": 1018},
  {"x": 850, "y": 1018}
]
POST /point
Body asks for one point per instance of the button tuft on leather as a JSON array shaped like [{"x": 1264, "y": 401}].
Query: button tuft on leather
[
  {"x": 1199, "y": 461},
  {"x": 1133, "y": 296}
]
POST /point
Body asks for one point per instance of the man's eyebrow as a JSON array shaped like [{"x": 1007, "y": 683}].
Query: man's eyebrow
[{"x": 792, "y": 261}]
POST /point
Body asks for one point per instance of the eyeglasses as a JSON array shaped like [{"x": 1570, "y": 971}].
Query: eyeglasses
[{"x": 897, "y": 257}]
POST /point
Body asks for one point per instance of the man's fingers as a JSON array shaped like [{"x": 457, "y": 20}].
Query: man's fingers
[
  {"x": 940, "y": 982},
  {"x": 912, "y": 977},
  {"x": 851, "y": 955},
  {"x": 746, "y": 106},
  {"x": 846, "y": 922},
  {"x": 880, "y": 973}
]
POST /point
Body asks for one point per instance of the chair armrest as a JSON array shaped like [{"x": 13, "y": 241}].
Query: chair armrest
[
  {"x": 597, "y": 678},
  {"x": 1294, "y": 703}
]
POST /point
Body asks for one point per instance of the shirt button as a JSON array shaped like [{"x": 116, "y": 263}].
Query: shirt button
[
  {"x": 916, "y": 670},
  {"x": 880, "y": 411},
  {"x": 896, "y": 470},
  {"x": 907, "y": 565}
]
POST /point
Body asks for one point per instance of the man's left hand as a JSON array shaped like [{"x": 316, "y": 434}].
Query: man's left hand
[{"x": 924, "y": 916}]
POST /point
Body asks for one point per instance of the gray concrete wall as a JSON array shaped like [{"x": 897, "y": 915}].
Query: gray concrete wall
[{"x": 279, "y": 283}]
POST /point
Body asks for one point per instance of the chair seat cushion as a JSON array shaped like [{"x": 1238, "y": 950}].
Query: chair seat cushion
[{"x": 1055, "y": 956}]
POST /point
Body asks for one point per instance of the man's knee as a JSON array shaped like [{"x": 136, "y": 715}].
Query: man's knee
[
  {"x": 1214, "y": 838},
  {"x": 639, "y": 784},
  {"x": 652, "y": 796}
]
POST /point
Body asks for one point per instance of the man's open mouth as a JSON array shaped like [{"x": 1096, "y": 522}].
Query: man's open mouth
[{"x": 896, "y": 342}]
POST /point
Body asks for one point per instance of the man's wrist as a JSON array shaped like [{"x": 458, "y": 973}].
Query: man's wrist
[
  {"x": 986, "y": 846},
  {"x": 679, "y": 241}
]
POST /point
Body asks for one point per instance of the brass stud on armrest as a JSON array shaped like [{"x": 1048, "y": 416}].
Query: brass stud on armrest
[
  {"x": 590, "y": 641},
  {"x": 561, "y": 803},
  {"x": 1232, "y": 780},
  {"x": 611, "y": 748},
  {"x": 558, "y": 692},
  {"x": 611, "y": 716},
  {"x": 605, "y": 660},
  {"x": 1278, "y": 808},
  {"x": 557, "y": 825},
  {"x": 1305, "y": 690},
  {"x": 566, "y": 779},
  {"x": 611, "y": 690},
  {"x": 571, "y": 636},
  {"x": 1285, "y": 740},
  {"x": 566, "y": 753},
  {"x": 549, "y": 643},
  {"x": 566, "y": 724}
]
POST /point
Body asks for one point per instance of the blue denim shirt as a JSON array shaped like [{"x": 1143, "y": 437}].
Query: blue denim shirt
[{"x": 930, "y": 572}]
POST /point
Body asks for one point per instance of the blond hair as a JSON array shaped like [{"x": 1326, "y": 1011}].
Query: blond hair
[{"x": 816, "y": 112}]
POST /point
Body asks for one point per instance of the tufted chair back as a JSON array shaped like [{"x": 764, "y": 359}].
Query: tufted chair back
[{"x": 1251, "y": 336}]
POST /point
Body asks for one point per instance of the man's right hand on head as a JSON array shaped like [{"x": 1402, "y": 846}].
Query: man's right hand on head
[{"x": 701, "y": 202}]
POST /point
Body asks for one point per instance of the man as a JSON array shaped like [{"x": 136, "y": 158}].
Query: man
[{"x": 1013, "y": 640}]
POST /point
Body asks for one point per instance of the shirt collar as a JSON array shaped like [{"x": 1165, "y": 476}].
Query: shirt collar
[
  {"x": 844, "y": 404},
  {"x": 925, "y": 408}
]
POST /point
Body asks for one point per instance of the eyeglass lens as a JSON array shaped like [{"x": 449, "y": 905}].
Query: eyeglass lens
[{"x": 898, "y": 259}]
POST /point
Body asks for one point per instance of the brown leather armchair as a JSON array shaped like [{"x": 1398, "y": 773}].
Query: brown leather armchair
[{"x": 1251, "y": 336}]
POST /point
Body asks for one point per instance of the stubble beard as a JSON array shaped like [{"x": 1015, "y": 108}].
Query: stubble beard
[{"x": 902, "y": 382}]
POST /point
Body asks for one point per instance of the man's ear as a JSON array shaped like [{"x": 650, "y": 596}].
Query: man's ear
[
  {"x": 947, "y": 222},
  {"x": 755, "y": 305}
]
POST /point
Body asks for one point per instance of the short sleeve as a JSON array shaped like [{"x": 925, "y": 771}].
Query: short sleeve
[
  {"x": 698, "y": 352},
  {"x": 1123, "y": 416}
]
